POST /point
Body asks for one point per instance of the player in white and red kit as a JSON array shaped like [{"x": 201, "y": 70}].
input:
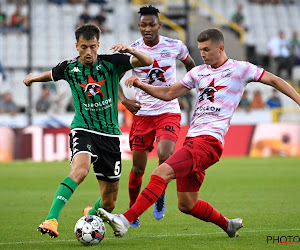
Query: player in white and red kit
[
  {"x": 220, "y": 83},
  {"x": 156, "y": 119}
]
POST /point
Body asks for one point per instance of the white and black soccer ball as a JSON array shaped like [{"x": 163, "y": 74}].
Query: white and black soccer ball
[{"x": 89, "y": 230}]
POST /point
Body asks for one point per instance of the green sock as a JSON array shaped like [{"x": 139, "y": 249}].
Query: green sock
[
  {"x": 62, "y": 195},
  {"x": 94, "y": 209}
]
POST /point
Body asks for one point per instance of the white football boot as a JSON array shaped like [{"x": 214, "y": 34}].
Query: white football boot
[
  {"x": 233, "y": 226},
  {"x": 118, "y": 222}
]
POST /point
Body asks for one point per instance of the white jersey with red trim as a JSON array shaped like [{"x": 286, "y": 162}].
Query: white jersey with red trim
[
  {"x": 219, "y": 91},
  {"x": 161, "y": 73}
]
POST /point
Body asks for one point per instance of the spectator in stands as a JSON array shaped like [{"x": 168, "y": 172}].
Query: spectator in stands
[
  {"x": 257, "y": 101},
  {"x": 7, "y": 105},
  {"x": 85, "y": 16},
  {"x": 239, "y": 18},
  {"x": 295, "y": 48},
  {"x": 100, "y": 21},
  {"x": 19, "y": 22},
  {"x": 274, "y": 101},
  {"x": 2, "y": 76},
  {"x": 43, "y": 103},
  {"x": 279, "y": 52},
  {"x": 3, "y": 21},
  {"x": 245, "y": 103},
  {"x": 59, "y": 1}
]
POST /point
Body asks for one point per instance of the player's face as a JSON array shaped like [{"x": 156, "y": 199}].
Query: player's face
[
  {"x": 149, "y": 26},
  {"x": 87, "y": 50},
  {"x": 211, "y": 52}
]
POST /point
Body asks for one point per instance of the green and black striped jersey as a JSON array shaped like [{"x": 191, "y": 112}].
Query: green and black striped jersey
[{"x": 95, "y": 91}]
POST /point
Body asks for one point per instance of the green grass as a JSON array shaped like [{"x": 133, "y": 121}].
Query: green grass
[{"x": 264, "y": 192}]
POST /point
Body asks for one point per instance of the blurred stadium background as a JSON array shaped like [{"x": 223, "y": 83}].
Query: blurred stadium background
[{"x": 49, "y": 39}]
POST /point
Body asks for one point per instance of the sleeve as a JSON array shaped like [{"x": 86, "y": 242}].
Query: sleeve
[
  {"x": 250, "y": 72},
  {"x": 57, "y": 73},
  {"x": 183, "y": 51},
  {"x": 188, "y": 80},
  {"x": 122, "y": 62}
]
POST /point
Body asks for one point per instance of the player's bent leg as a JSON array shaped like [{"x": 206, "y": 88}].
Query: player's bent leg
[
  {"x": 50, "y": 227},
  {"x": 117, "y": 222}
]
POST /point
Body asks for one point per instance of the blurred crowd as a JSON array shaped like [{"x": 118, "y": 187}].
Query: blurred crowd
[{"x": 17, "y": 22}]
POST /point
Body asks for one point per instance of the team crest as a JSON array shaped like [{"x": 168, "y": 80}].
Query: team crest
[
  {"x": 92, "y": 87},
  {"x": 208, "y": 93},
  {"x": 156, "y": 73}
]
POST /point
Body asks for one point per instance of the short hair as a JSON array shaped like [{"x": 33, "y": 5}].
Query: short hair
[
  {"x": 215, "y": 35},
  {"x": 149, "y": 10},
  {"x": 88, "y": 31}
]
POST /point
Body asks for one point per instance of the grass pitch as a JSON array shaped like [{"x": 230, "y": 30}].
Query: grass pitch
[{"x": 264, "y": 192}]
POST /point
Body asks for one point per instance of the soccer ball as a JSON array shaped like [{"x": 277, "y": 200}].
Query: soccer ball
[{"x": 89, "y": 230}]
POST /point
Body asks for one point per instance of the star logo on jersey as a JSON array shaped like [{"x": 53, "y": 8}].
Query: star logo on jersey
[
  {"x": 156, "y": 73},
  {"x": 208, "y": 93},
  {"x": 92, "y": 87}
]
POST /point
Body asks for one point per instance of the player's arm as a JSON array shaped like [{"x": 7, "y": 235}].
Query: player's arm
[
  {"x": 167, "y": 93},
  {"x": 42, "y": 77},
  {"x": 281, "y": 85},
  {"x": 132, "y": 105},
  {"x": 140, "y": 58},
  {"x": 189, "y": 63}
]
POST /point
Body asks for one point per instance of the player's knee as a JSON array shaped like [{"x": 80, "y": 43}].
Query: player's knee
[
  {"x": 163, "y": 156},
  {"x": 138, "y": 170},
  {"x": 184, "y": 208}
]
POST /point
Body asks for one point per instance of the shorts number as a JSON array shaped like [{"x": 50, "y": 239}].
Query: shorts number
[{"x": 117, "y": 167}]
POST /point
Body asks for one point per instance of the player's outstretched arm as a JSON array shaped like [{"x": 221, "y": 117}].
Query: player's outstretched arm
[
  {"x": 43, "y": 77},
  {"x": 140, "y": 59},
  {"x": 281, "y": 85},
  {"x": 164, "y": 93}
]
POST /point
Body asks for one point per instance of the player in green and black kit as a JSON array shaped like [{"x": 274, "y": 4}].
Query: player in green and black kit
[{"x": 94, "y": 138}]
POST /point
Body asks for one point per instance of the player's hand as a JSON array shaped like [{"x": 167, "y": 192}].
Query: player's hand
[
  {"x": 133, "y": 81},
  {"x": 28, "y": 79},
  {"x": 122, "y": 48},
  {"x": 132, "y": 105}
]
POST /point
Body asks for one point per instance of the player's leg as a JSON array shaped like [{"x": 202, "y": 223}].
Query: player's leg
[
  {"x": 107, "y": 169},
  {"x": 158, "y": 182},
  {"x": 141, "y": 138},
  {"x": 167, "y": 132},
  {"x": 79, "y": 169}
]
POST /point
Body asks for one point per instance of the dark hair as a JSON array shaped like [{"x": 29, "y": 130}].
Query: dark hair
[
  {"x": 214, "y": 35},
  {"x": 88, "y": 32},
  {"x": 149, "y": 10}
]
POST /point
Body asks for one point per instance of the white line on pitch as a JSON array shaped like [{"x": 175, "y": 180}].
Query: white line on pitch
[{"x": 151, "y": 236}]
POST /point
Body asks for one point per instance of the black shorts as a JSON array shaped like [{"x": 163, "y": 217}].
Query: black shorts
[{"x": 104, "y": 150}]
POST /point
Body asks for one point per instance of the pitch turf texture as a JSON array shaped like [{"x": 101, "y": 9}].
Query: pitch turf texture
[{"x": 264, "y": 192}]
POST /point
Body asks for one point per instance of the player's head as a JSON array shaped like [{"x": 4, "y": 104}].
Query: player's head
[
  {"x": 149, "y": 24},
  {"x": 211, "y": 45},
  {"x": 87, "y": 43}
]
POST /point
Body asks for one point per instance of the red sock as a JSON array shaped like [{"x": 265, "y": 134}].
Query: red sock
[
  {"x": 204, "y": 211},
  {"x": 135, "y": 183},
  {"x": 149, "y": 195}
]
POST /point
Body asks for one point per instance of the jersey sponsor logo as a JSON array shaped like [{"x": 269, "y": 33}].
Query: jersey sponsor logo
[
  {"x": 156, "y": 72},
  {"x": 165, "y": 53},
  {"x": 208, "y": 93},
  {"x": 171, "y": 40},
  {"x": 75, "y": 70},
  {"x": 227, "y": 73},
  {"x": 92, "y": 87}
]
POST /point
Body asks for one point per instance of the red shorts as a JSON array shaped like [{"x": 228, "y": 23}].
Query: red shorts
[
  {"x": 144, "y": 129},
  {"x": 190, "y": 162}
]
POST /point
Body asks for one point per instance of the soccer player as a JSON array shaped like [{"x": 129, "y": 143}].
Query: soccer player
[
  {"x": 94, "y": 137},
  {"x": 156, "y": 119},
  {"x": 220, "y": 83}
]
